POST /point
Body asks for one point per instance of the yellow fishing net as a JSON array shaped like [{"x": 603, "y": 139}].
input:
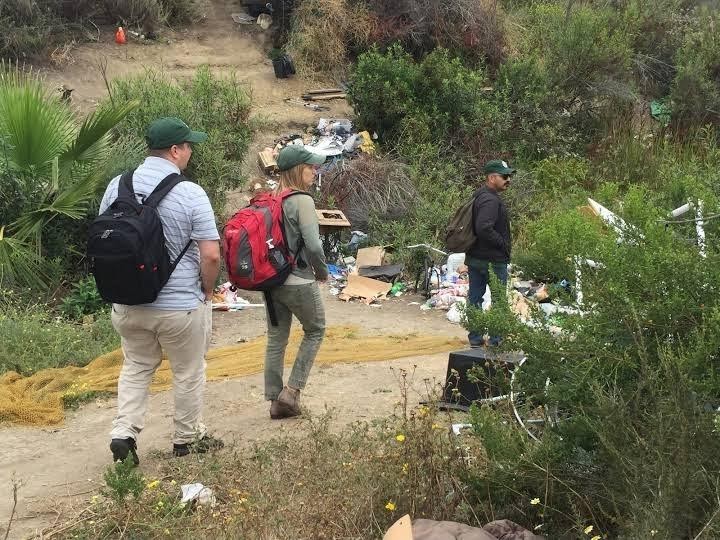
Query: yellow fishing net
[{"x": 38, "y": 399}]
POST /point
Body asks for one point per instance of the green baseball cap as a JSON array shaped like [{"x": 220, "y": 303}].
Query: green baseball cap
[
  {"x": 166, "y": 132},
  {"x": 295, "y": 154},
  {"x": 498, "y": 166}
]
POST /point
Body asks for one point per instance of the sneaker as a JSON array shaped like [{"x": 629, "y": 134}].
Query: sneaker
[
  {"x": 120, "y": 449},
  {"x": 201, "y": 446}
]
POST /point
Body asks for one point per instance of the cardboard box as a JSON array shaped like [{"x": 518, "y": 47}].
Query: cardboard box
[
  {"x": 266, "y": 161},
  {"x": 371, "y": 256}
]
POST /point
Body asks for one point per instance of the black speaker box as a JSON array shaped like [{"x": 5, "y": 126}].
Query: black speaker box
[{"x": 460, "y": 392}]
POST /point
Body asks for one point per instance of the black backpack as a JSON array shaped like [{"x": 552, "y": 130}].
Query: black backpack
[{"x": 126, "y": 248}]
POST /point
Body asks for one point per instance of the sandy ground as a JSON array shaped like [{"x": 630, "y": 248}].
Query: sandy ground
[{"x": 61, "y": 467}]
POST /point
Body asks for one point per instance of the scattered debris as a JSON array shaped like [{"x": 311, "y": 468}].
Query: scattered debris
[
  {"x": 370, "y": 256},
  {"x": 242, "y": 18},
  {"x": 264, "y": 21},
  {"x": 324, "y": 94},
  {"x": 197, "y": 492},
  {"x": 388, "y": 272},
  {"x": 266, "y": 160},
  {"x": 366, "y": 289},
  {"x": 225, "y": 298},
  {"x": 332, "y": 218}
]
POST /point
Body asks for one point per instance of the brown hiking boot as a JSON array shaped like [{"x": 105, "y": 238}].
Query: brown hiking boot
[{"x": 286, "y": 405}]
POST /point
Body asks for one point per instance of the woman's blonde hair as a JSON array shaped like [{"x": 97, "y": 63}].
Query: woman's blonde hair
[{"x": 292, "y": 178}]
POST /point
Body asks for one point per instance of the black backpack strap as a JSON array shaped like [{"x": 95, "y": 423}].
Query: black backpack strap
[
  {"x": 301, "y": 243},
  {"x": 272, "y": 314},
  {"x": 163, "y": 188},
  {"x": 158, "y": 194},
  {"x": 125, "y": 186}
]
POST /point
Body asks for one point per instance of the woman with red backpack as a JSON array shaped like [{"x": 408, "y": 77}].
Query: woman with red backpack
[{"x": 300, "y": 294}]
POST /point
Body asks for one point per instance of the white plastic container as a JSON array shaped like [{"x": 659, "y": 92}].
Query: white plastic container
[{"x": 455, "y": 260}]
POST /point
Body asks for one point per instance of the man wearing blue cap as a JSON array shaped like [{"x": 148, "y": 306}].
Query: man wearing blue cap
[{"x": 492, "y": 230}]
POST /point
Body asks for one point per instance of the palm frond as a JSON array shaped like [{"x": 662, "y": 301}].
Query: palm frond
[
  {"x": 91, "y": 143},
  {"x": 36, "y": 127},
  {"x": 20, "y": 264},
  {"x": 72, "y": 201}
]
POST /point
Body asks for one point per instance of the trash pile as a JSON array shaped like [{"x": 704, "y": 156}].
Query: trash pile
[
  {"x": 452, "y": 287},
  {"x": 335, "y": 139},
  {"x": 368, "y": 277},
  {"x": 226, "y": 298},
  {"x": 527, "y": 297}
]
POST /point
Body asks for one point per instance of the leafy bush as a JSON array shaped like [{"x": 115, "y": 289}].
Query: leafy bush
[
  {"x": 634, "y": 378},
  {"x": 32, "y": 338},
  {"x": 84, "y": 299},
  {"x": 427, "y": 101},
  {"x": 220, "y": 107},
  {"x": 696, "y": 88}
]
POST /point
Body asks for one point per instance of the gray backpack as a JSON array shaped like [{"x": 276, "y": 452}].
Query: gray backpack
[{"x": 460, "y": 232}]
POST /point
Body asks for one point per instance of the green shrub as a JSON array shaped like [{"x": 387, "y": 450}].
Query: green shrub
[
  {"x": 696, "y": 88},
  {"x": 411, "y": 102},
  {"x": 32, "y": 338},
  {"x": 634, "y": 380},
  {"x": 218, "y": 106},
  {"x": 83, "y": 299}
]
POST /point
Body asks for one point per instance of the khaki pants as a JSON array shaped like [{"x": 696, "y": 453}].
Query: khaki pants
[{"x": 185, "y": 338}]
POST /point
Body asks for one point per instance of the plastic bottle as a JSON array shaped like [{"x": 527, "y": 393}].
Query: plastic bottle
[{"x": 120, "y": 38}]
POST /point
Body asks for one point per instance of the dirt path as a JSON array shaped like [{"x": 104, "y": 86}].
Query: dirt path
[{"x": 220, "y": 43}]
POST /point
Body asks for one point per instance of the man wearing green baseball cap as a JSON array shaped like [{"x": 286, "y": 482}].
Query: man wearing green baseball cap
[
  {"x": 179, "y": 321},
  {"x": 172, "y": 138},
  {"x": 492, "y": 230}
]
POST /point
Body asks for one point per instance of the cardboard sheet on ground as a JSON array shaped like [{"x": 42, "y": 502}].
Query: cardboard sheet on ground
[
  {"x": 38, "y": 399},
  {"x": 401, "y": 529},
  {"x": 364, "y": 288}
]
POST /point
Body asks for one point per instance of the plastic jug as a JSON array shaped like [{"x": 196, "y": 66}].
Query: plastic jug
[
  {"x": 120, "y": 38},
  {"x": 455, "y": 260}
]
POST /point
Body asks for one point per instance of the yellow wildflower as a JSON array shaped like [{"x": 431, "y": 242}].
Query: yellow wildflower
[
  {"x": 167, "y": 532},
  {"x": 173, "y": 482},
  {"x": 390, "y": 506},
  {"x": 588, "y": 529},
  {"x": 400, "y": 438},
  {"x": 153, "y": 484},
  {"x": 405, "y": 468},
  {"x": 535, "y": 501},
  {"x": 435, "y": 426}
]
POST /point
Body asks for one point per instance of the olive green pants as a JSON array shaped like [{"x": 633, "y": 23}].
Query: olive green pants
[{"x": 305, "y": 302}]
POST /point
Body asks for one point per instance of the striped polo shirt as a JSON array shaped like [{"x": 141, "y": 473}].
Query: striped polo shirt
[{"x": 186, "y": 215}]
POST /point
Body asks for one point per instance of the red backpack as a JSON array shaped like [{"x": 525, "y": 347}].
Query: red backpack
[{"x": 256, "y": 253}]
